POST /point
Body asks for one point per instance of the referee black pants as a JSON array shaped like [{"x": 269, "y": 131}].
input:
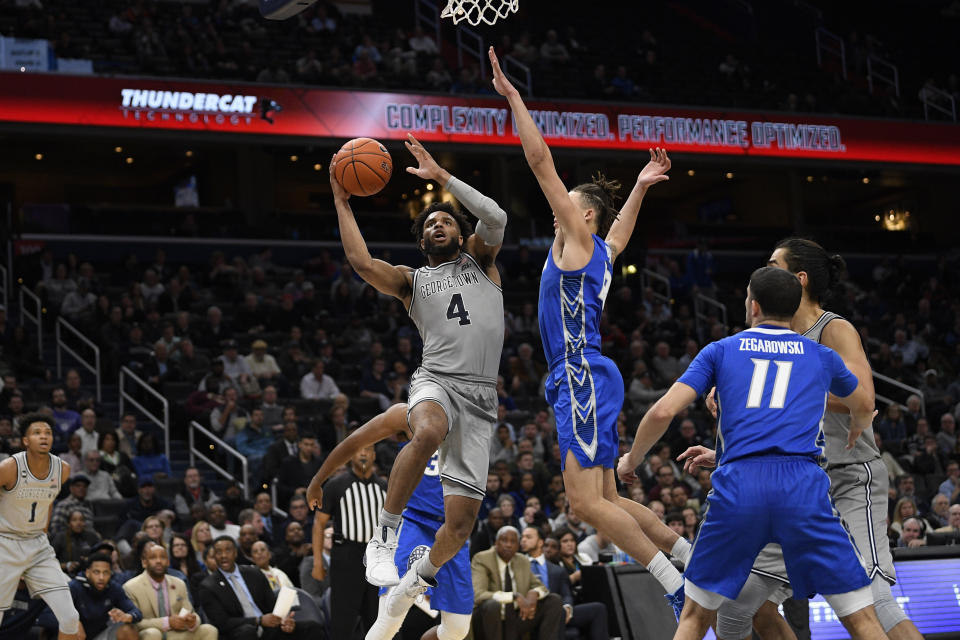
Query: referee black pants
[{"x": 351, "y": 596}]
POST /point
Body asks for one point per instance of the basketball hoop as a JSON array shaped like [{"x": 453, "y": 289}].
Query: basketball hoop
[{"x": 477, "y": 11}]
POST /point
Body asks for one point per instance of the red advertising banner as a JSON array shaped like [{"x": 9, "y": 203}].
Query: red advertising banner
[{"x": 153, "y": 103}]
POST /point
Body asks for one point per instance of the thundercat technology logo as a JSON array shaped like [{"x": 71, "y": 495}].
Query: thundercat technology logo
[{"x": 187, "y": 106}]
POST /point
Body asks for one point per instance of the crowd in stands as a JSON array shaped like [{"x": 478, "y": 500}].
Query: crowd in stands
[
  {"x": 281, "y": 361},
  {"x": 697, "y": 53}
]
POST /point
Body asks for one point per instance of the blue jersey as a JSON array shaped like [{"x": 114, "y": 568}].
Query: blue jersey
[
  {"x": 426, "y": 502},
  {"x": 758, "y": 373},
  {"x": 571, "y": 303}
]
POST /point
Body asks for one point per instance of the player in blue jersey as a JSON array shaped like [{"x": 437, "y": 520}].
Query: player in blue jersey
[
  {"x": 584, "y": 387},
  {"x": 422, "y": 517},
  {"x": 858, "y": 476},
  {"x": 772, "y": 386}
]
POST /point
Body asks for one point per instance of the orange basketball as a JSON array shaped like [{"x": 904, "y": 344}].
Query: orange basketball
[{"x": 363, "y": 166}]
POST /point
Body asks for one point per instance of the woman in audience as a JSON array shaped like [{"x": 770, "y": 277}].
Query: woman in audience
[
  {"x": 155, "y": 528},
  {"x": 508, "y": 506},
  {"x": 260, "y": 553},
  {"x": 148, "y": 462},
  {"x": 72, "y": 455},
  {"x": 183, "y": 558},
  {"x": 111, "y": 458},
  {"x": 200, "y": 540},
  {"x": 210, "y": 559},
  {"x": 905, "y": 508},
  {"x": 572, "y": 561},
  {"x": 73, "y": 545}
]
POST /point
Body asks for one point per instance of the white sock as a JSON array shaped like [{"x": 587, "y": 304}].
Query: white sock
[
  {"x": 387, "y": 519},
  {"x": 425, "y": 568},
  {"x": 665, "y": 573},
  {"x": 681, "y": 550}
]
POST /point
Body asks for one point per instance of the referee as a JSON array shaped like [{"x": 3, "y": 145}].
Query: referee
[{"x": 352, "y": 501}]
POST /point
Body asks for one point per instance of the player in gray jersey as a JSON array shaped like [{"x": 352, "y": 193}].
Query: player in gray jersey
[
  {"x": 457, "y": 305},
  {"x": 29, "y": 483},
  {"x": 858, "y": 477}
]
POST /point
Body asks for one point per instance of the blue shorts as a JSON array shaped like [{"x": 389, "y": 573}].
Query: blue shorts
[
  {"x": 586, "y": 392},
  {"x": 454, "y": 592},
  {"x": 782, "y": 499}
]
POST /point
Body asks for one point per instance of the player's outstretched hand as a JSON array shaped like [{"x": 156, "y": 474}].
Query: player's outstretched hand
[
  {"x": 859, "y": 424},
  {"x": 503, "y": 86},
  {"x": 427, "y": 168},
  {"x": 627, "y": 469},
  {"x": 711, "y": 401},
  {"x": 696, "y": 457},
  {"x": 656, "y": 169},
  {"x": 339, "y": 193}
]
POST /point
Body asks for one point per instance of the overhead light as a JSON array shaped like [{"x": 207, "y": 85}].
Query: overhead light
[
  {"x": 128, "y": 160},
  {"x": 809, "y": 178},
  {"x": 38, "y": 156},
  {"x": 894, "y": 219},
  {"x": 118, "y": 149},
  {"x": 691, "y": 172},
  {"x": 317, "y": 167},
  {"x": 416, "y": 192},
  {"x": 294, "y": 158},
  {"x": 865, "y": 180},
  {"x": 189, "y": 153},
  {"x": 729, "y": 175},
  {"x": 631, "y": 269},
  {"x": 429, "y": 186},
  {"x": 404, "y": 196}
]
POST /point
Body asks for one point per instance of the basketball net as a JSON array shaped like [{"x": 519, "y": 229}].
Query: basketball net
[{"x": 477, "y": 11}]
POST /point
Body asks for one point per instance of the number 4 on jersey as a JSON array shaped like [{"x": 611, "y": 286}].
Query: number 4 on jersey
[{"x": 457, "y": 310}]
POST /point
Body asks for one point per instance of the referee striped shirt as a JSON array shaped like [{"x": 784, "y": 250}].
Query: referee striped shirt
[{"x": 354, "y": 504}]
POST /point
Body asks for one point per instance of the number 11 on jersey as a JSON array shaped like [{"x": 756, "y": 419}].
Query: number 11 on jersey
[{"x": 759, "y": 381}]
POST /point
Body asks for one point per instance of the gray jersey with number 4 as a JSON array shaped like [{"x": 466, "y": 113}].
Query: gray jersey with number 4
[
  {"x": 836, "y": 426},
  {"x": 24, "y": 509},
  {"x": 459, "y": 313}
]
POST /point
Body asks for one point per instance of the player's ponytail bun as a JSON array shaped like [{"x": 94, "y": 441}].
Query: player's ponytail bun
[
  {"x": 824, "y": 271},
  {"x": 601, "y": 194},
  {"x": 837, "y": 267}
]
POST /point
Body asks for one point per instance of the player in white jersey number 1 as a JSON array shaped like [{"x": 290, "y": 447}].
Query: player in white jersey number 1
[
  {"x": 29, "y": 483},
  {"x": 457, "y": 305}
]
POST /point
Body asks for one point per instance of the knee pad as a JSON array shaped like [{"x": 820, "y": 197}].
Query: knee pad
[
  {"x": 453, "y": 626},
  {"x": 888, "y": 611},
  {"x": 734, "y": 621},
  {"x": 735, "y": 617}
]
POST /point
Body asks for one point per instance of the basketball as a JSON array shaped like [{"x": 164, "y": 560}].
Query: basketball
[{"x": 363, "y": 166}]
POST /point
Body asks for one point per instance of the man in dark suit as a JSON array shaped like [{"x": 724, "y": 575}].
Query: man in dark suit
[
  {"x": 588, "y": 619},
  {"x": 297, "y": 471},
  {"x": 282, "y": 448},
  {"x": 509, "y": 599},
  {"x": 238, "y": 601}
]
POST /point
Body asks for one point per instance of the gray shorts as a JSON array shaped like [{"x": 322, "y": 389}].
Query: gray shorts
[
  {"x": 471, "y": 410},
  {"x": 771, "y": 566},
  {"x": 859, "y": 493},
  {"x": 33, "y": 560}
]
